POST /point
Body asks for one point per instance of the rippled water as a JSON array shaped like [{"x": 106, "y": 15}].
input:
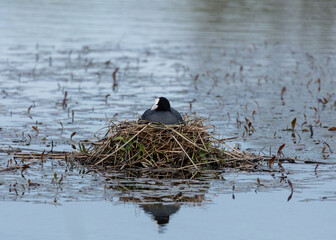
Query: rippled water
[{"x": 245, "y": 53}]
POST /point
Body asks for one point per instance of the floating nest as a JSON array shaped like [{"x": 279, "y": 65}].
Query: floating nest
[{"x": 151, "y": 146}]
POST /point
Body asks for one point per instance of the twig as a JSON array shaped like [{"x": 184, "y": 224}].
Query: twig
[
  {"x": 111, "y": 154},
  {"x": 18, "y": 166},
  {"x": 185, "y": 153},
  {"x": 187, "y": 139}
]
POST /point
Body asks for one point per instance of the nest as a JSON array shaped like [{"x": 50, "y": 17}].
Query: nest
[{"x": 191, "y": 146}]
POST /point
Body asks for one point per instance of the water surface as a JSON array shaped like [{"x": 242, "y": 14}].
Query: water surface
[{"x": 245, "y": 53}]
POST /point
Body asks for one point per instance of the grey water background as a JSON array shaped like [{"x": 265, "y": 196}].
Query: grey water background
[{"x": 245, "y": 52}]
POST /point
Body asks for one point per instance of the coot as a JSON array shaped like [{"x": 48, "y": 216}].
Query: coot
[{"x": 162, "y": 112}]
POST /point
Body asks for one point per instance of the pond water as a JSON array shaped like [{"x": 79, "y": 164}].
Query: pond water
[{"x": 267, "y": 61}]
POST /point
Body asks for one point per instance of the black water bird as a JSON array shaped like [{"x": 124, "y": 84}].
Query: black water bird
[{"x": 161, "y": 112}]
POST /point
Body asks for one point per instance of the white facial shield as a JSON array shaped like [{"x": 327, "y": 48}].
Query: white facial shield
[{"x": 155, "y": 106}]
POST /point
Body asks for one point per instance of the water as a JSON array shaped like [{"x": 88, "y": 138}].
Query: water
[
  {"x": 245, "y": 52},
  {"x": 261, "y": 216}
]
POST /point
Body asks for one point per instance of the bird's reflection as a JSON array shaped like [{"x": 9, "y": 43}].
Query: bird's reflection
[{"x": 161, "y": 213}]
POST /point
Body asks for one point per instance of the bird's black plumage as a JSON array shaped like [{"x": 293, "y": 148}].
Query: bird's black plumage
[{"x": 162, "y": 112}]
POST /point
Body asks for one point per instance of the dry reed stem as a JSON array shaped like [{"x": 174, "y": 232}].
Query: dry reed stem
[
  {"x": 185, "y": 153},
  {"x": 121, "y": 146},
  {"x": 156, "y": 146},
  {"x": 18, "y": 166},
  {"x": 187, "y": 139}
]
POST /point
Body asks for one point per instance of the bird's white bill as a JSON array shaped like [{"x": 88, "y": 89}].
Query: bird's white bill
[{"x": 155, "y": 106}]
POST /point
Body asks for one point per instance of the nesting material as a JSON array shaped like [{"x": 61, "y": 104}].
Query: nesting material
[{"x": 191, "y": 146}]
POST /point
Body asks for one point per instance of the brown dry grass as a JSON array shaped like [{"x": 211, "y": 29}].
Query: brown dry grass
[{"x": 191, "y": 146}]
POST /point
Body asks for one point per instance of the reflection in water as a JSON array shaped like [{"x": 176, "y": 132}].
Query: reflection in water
[
  {"x": 144, "y": 190},
  {"x": 76, "y": 53},
  {"x": 236, "y": 78},
  {"x": 303, "y": 23},
  {"x": 306, "y": 23},
  {"x": 160, "y": 213}
]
